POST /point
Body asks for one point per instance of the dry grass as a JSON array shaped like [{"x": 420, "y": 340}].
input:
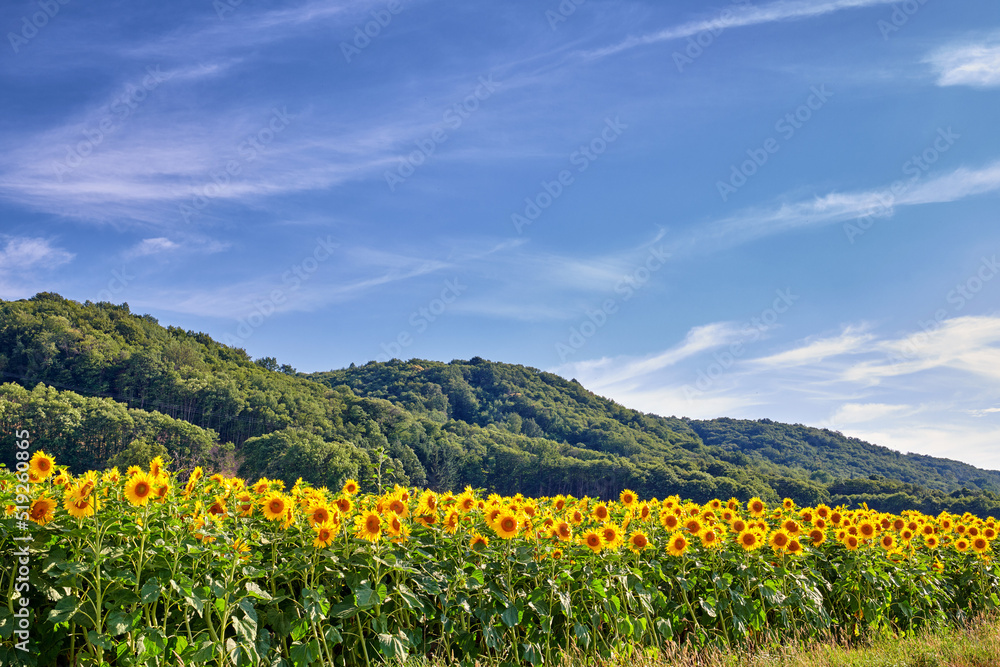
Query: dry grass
[{"x": 976, "y": 645}]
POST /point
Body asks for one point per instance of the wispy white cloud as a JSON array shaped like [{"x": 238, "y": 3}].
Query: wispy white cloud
[
  {"x": 25, "y": 262},
  {"x": 855, "y": 382},
  {"x": 740, "y": 14},
  {"x": 155, "y": 246},
  {"x": 974, "y": 64},
  {"x": 970, "y": 345},
  {"x": 608, "y": 372},
  {"x": 859, "y": 413},
  {"x": 851, "y": 341},
  {"x": 21, "y": 253},
  {"x": 837, "y": 207}
]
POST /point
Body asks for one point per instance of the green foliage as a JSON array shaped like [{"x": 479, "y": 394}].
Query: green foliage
[{"x": 97, "y": 383}]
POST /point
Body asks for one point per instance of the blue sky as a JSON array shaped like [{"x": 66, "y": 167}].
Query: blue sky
[{"x": 782, "y": 209}]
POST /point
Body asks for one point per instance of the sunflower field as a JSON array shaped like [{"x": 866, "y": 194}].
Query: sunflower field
[{"x": 152, "y": 567}]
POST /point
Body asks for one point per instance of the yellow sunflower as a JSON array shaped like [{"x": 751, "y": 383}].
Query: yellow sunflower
[
  {"x": 368, "y": 526},
  {"x": 155, "y": 466},
  {"x": 393, "y": 524},
  {"x": 398, "y": 506},
  {"x": 428, "y": 502},
  {"x": 507, "y": 525},
  {"x": 756, "y": 507},
  {"x": 344, "y": 505},
  {"x": 478, "y": 543},
  {"x": 78, "y": 507},
  {"x": 693, "y": 525},
  {"x": 139, "y": 488},
  {"x": 466, "y": 502},
  {"x": 42, "y": 465},
  {"x": 42, "y": 510},
  {"x": 275, "y": 506},
  {"x": 749, "y": 540},
  {"x": 712, "y": 537},
  {"x": 244, "y": 502},
  {"x": 563, "y": 531},
  {"x": 779, "y": 540},
  {"x": 218, "y": 506},
  {"x": 241, "y": 549},
  {"x": 637, "y": 541},
  {"x": 318, "y": 514},
  {"x": 791, "y": 526},
  {"x": 612, "y": 536},
  {"x": 350, "y": 487},
  {"x": 794, "y": 547},
  {"x": 325, "y": 533},
  {"x": 592, "y": 540},
  {"x": 867, "y": 529},
  {"x": 669, "y": 520},
  {"x": 677, "y": 544},
  {"x": 628, "y": 498}
]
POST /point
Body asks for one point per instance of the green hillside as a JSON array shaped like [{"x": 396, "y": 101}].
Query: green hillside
[{"x": 97, "y": 385}]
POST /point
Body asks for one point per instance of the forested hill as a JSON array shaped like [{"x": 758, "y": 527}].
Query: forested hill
[
  {"x": 793, "y": 458},
  {"x": 97, "y": 385}
]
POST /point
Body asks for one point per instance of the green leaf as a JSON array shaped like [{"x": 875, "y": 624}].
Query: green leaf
[
  {"x": 205, "y": 653},
  {"x": 64, "y": 609},
  {"x": 343, "y": 610},
  {"x": 257, "y": 592},
  {"x": 303, "y": 655},
  {"x": 708, "y": 606},
  {"x": 120, "y": 622},
  {"x": 150, "y": 591},
  {"x": 74, "y": 567},
  {"x": 315, "y": 604},
  {"x": 393, "y": 646},
  {"x": 332, "y": 635},
  {"x": 567, "y": 605},
  {"x": 511, "y": 616},
  {"x": 246, "y": 625}
]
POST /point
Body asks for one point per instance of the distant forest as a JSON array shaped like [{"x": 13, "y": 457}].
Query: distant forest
[{"x": 98, "y": 386}]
